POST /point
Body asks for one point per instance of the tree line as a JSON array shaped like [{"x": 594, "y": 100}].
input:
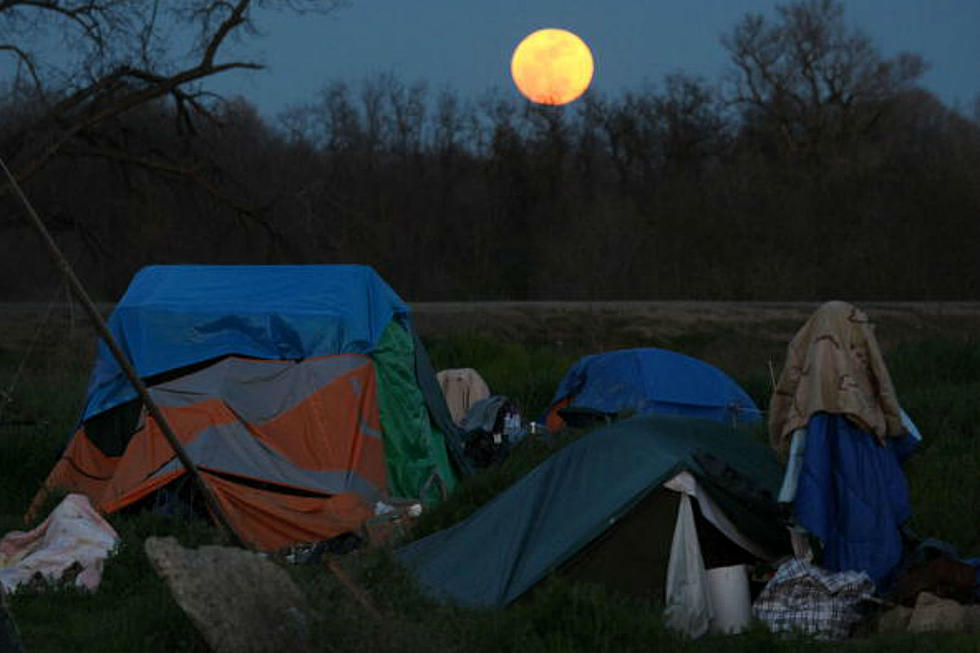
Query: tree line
[{"x": 816, "y": 168}]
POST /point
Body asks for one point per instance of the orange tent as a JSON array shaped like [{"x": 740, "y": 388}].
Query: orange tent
[{"x": 299, "y": 393}]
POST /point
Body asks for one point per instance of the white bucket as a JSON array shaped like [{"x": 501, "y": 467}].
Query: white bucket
[{"x": 728, "y": 588}]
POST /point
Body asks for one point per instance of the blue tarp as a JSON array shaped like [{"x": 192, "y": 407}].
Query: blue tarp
[
  {"x": 178, "y": 315},
  {"x": 650, "y": 380},
  {"x": 852, "y": 494}
]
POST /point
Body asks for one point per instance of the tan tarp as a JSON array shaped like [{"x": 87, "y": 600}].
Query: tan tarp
[
  {"x": 834, "y": 365},
  {"x": 462, "y": 388}
]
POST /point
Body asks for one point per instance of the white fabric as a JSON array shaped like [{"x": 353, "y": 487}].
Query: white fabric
[
  {"x": 728, "y": 588},
  {"x": 687, "y": 602},
  {"x": 686, "y": 484},
  {"x": 73, "y": 532},
  {"x": 791, "y": 479},
  {"x": 910, "y": 425}
]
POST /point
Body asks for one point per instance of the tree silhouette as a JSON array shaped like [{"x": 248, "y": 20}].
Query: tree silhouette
[
  {"x": 121, "y": 54},
  {"x": 810, "y": 78}
]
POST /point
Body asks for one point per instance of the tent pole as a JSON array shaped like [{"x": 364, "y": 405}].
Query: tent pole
[{"x": 76, "y": 286}]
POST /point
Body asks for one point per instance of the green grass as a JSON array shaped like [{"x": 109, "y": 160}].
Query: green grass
[
  {"x": 132, "y": 610},
  {"x": 38, "y": 417},
  {"x": 527, "y": 375},
  {"x": 938, "y": 382},
  {"x": 559, "y": 617}
]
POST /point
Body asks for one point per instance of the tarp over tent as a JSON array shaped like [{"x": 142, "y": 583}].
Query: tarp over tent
[
  {"x": 651, "y": 380},
  {"x": 581, "y": 493},
  {"x": 299, "y": 391},
  {"x": 835, "y": 410}
]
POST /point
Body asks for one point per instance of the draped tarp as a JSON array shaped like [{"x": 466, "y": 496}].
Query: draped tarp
[
  {"x": 172, "y": 316},
  {"x": 301, "y": 392},
  {"x": 651, "y": 380},
  {"x": 836, "y": 395}
]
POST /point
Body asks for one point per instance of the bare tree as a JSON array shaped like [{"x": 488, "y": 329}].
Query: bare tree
[
  {"x": 408, "y": 107},
  {"x": 691, "y": 125},
  {"x": 810, "y": 77},
  {"x": 449, "y": 125},
  {"x": 81, "y": 63}
]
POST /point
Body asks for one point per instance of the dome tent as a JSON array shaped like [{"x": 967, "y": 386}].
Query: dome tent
[
  {"x": 300, "y": 392},
  {"x": 649, "y": 380}
]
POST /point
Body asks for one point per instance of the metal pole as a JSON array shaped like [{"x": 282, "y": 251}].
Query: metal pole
[{"x": 76, "y": 286}]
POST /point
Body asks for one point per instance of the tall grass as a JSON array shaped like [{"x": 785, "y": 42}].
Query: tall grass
[
  {"x": 43, "y": 393},
  {"x": 938, "y": 384},
  {"x": 132, "y": 610}
]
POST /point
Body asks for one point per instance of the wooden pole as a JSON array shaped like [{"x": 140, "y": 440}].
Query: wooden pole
[{"x": 144, "y": 394}]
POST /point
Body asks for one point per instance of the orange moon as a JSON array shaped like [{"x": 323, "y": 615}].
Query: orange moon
[{"x": 552, "y": 66}]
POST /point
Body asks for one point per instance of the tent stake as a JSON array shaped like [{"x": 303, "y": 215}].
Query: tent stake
[{"x": 144, "y": 394}]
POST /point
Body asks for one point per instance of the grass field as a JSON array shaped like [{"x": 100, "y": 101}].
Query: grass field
[{"x": 522, "y": 351}]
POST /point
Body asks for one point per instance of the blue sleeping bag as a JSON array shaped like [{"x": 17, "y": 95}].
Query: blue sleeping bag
[{"x": 853, "y": 495}]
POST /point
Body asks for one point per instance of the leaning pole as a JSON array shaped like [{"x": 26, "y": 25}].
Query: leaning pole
[{"x": 93, "y": 313}]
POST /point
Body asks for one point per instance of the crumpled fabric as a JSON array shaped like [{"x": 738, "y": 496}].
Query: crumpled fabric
[
  {"x": 834, "y": 365},
  {"x": 482, "y": 415},
  {"x": 804, "y": 598},
  {"x": 462, "y": 388},
  {"x": 73, "y": 533},
  {"x": 687, "y": 604}
]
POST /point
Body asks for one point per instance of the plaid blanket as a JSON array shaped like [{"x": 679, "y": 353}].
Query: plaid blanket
[{"x": 804, "y": 598}]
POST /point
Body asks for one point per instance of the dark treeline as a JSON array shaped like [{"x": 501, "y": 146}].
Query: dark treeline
[{"x": 815, "y": 169}]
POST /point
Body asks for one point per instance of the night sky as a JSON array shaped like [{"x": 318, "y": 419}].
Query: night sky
[{"x": 466, "y": 46}]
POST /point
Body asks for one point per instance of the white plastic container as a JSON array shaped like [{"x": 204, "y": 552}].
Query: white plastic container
[{"x": 728, "y": 588}]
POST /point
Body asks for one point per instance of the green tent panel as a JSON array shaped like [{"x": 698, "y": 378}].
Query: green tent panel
[{"x": 415, "y": 448}]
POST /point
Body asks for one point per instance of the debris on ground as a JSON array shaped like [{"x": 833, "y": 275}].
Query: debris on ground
[{"x": 240, "y": 601}]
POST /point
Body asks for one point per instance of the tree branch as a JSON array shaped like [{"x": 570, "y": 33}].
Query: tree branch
[{"x": 24, "y": 57}]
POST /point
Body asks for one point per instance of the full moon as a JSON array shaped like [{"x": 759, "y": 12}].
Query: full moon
[{"x": 552, "y": 66}]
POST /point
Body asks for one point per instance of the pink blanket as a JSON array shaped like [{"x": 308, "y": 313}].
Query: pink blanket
[{"x": 73, "y": 533}]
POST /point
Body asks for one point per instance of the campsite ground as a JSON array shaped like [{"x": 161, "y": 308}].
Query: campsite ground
[{"x": 933, "y": 350}]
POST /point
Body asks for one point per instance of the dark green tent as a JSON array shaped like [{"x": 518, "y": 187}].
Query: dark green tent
[{"x": 598, "y": 510}]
